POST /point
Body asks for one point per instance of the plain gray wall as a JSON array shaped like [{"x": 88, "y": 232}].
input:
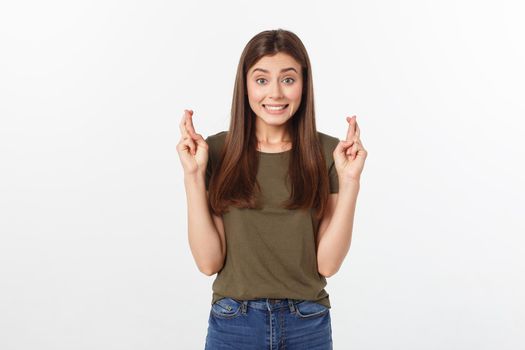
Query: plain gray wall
[{"x": 93, "y": 246}]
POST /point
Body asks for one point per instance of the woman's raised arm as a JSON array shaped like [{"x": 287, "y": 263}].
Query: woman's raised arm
[{"x": 205, "y": 233}]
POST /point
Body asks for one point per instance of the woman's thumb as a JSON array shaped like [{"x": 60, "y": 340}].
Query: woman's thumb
[
  {"x": 342, "y": 146},
  {"x": 198, "y": 139}
]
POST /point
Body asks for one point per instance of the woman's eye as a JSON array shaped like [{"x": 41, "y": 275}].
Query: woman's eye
[{"x": 290, "y": 80}]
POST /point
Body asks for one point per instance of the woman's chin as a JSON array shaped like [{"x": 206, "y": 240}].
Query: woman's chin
[{"x": 274, "y": 119}]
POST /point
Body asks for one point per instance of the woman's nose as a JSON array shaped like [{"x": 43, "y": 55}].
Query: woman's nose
[{"x": 276, "y": 91}]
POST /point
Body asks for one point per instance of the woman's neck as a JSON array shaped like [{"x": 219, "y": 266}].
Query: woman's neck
[{"x": 272, "y": 135}]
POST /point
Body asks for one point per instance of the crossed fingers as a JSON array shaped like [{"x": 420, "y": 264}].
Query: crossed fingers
[
  {"x": 353, "y": 134},
  {"x": 186, "y": 125}
]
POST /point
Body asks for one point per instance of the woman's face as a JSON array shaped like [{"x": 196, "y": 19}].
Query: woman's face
[{"x": 275, "y": 81}]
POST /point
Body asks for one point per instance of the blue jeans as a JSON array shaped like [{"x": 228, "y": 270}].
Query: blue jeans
[{"x": 268, "y": 324}]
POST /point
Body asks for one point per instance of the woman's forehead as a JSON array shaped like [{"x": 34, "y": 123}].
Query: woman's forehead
[{"x": 277, "y": 63}]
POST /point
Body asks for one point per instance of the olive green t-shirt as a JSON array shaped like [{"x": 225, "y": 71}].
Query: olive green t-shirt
[{"x": 271, "y": 252}]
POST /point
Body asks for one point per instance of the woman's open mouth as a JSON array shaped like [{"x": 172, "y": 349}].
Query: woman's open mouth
[{"x": 275, "y": 109}]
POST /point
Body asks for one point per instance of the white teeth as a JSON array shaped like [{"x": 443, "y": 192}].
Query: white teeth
[{"x": 271, "y": 108}]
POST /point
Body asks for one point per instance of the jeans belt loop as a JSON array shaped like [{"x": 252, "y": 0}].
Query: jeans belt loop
[
  {"x": 291, "y": 305},
  {"x": 244, "y": 306}
]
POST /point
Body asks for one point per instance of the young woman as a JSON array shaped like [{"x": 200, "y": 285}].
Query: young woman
[{"x": 271, "y": 203}]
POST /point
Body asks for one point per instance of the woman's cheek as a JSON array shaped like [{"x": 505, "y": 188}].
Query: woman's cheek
[
  {"x": 255, "y": 94},
  {"x": 295, "y": 92}
]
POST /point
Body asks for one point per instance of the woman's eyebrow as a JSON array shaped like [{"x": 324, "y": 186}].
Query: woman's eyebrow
[{"x": 267, "y": 71}]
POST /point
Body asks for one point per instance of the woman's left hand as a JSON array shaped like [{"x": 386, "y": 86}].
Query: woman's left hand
[{"x": 349, "y": 155}]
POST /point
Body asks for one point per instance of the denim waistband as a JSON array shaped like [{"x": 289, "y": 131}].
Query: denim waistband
[{"x": 270, "y": 304}]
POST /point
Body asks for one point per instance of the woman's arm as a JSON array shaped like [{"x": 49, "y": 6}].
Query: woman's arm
[
  {"x": 205, "y": 230},
  {"x": 335, "y": 235},
  {"x": 335, "y": 230}
]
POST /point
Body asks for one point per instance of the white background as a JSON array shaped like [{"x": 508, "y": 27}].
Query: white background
[{"x": 93, "y": 246}]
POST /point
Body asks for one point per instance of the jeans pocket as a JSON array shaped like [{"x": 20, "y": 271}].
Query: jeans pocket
[
  {"x": 226, "y": 308},
  {"x": 308, "y": 309}
]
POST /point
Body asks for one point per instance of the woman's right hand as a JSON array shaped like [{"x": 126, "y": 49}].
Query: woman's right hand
[{"x": 192, "y": 148}]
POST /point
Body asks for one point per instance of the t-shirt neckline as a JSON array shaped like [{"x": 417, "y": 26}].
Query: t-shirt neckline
[{"x": 273, "y": 153}]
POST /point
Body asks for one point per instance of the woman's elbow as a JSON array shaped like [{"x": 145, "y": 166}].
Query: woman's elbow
[
  {"x": 327, "y": 272},
  {"x": 210, "y": 270},
  {"x": 207, "y": 272}
]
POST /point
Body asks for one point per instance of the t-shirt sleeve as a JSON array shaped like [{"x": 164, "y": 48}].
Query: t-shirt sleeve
[
  {"x": 209, "y": 167},
  {"x": 332, "y": 171},
  {"x": 332, "y": 177}
]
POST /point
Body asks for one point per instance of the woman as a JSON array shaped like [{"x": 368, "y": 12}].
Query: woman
[{"x": 271, "y": 203}]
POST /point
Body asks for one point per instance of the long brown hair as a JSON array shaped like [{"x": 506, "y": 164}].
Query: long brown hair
[{"x": 234, "y": 181}]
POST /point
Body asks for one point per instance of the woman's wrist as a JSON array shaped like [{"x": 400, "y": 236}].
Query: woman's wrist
[
  {"x": 352, "y": 182},
  {"x": 196, "y": 177}
]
